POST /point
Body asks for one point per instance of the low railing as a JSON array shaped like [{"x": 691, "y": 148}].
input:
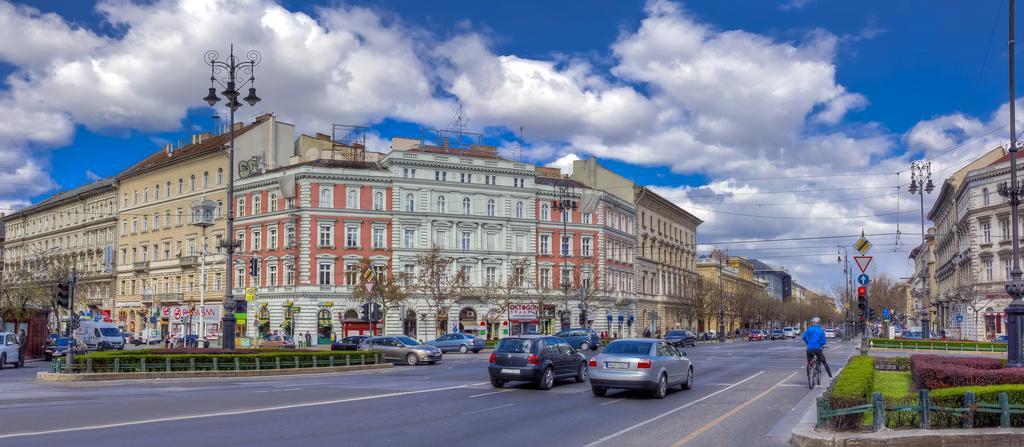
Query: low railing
[
  {"x": 177, "y": 363},
  {"x": 923, "y": 410},
  {"x": 937, "y": 345}
]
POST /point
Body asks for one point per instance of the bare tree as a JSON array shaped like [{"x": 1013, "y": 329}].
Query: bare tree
[
  {"x": 29, "y": 284},
  {"x": 388, "y": 291},
  {"x": 440, "y": 283}
]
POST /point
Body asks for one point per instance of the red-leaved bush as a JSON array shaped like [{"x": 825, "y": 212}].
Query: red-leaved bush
[{"x": 935, "y": 372}]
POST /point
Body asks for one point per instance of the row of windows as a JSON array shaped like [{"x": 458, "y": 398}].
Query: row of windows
[
  {"x": 464, "y": 177},
  {"x": 175, "y": 284},
  {"x": 167, "y": 191},
  {"x": 166, "y": 221},
  {"x": 64, "y": 218},
  {"x": 165, "y": 251}
]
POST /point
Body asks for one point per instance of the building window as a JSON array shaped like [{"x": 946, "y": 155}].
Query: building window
[
  {"x": 490, "y": 207},
  {"x": 256, "y": 240},
  {"x": 271, "y": 274},
  {"x": 545, "y": 213},
  {"x": 326, "y": 272},
  {"x": 986, "y": 232},
  {"x": 588, "y": 218},
  {"x": 180, "y": 218},
  {"x": 273, "y": 202},
  {"x": 1007, "y": 266},
  {"x": 289, "y": 236},
  {"x": 257, "y": 204},
  {"x": 326, "y": 197},
  {"x": 272, "y": 238},
  {"x": 241, "y": 207},
  {"x": 206, "y": 179},
  {"x": 545, "y": 277},
  {"x": 220, "y": 176},
  {"x": 410, "y": 203},
  {"x": 351, "y": 236},
  {"x": 984, "y": 196},
  {"x": 378, "y": 201},
  {"x": 352, "y": 199},
  {"x": 192, "y": 183},
  {"x": 239, "y": 278},
  {"x": 440, "y": 204},
  {"x": 462, "y": 178},
  {"x": 518, "y": 182},
  {"x": 545, "y": 244},
  {"x": 135, "y": 198},
  {"x": 378, "y": 238},
  {"x": 988, "y": 269},
  {"x": 156, "y": 192},
  {"x": 440, "y": 176},
  {"x": 490, "y": 275},
  {"x": 585, "y": 247},
  {"x": 520, "y": 242},
  {"x": 466, "y": 235},
  {"x": 326, "y": 235},
  {"x": 566, "y": 245},
  {"x": 409, "y": 237},
  {"x": 565, "y": 215},
  {"x": 409, "y": 270},
  {"x": 1004, "y": 226},
  {"x": 519, "y": 210},
  {"x": 351, "y": 274}
]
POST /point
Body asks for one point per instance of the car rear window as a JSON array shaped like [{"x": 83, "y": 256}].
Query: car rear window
[
  {"x": 674, "y": 334},
  {"x": 628, "y": 347},
  {"x": 515, "y": 345}
]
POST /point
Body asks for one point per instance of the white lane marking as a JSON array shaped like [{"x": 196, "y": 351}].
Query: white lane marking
[
  {"x": 611, "y": 402},
  {"x": 487, "y": 409},
  {"x": 230, "y": 413},
  {"x": 794, "y": 384},
  {"x": 720, "y": 384},
  {"x": 494, "y": 392},
  {"x": 278, "y": 390},
  {"x": 669, "y": 412}
]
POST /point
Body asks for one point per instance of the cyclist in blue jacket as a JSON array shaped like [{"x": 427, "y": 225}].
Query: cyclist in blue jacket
[{"x": 814, "y": 338}]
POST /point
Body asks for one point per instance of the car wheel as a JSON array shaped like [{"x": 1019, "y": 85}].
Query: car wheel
[
  {"x": 688, "y": 384},
  {"x": 497, "y": 383},
  {"x": 3, "y": 360},
  {"x": 476, "y": 351},
  {"x": 581, "y": 374},
  {"x": 598, "y": 391},
  {"x": 547, "y": 379},
  {"x": 662, "y": 389},
  {"x": 463, "y": 349},
  {"x": 412, "y": 359},
  {"x": 584, "y": 346}
]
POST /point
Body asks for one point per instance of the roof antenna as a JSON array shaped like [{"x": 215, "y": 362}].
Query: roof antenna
[{"x": 519, "y": 155}]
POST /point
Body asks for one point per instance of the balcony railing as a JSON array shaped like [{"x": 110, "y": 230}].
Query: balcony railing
[
  {"x": 168, "y": 297},
  {"x": 140, "y": 266},
  {"x": 188, "y": 261}
]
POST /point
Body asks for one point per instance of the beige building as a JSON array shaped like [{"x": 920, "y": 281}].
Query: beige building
[
  {"x": 666, "y": 239},
  {"x": 923, "y": 280},
  {"x": 736, "y": 276},
  {"x": 78, "y": 225}
]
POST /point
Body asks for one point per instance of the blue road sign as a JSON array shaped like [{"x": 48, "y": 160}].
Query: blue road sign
[
  {"x": 885, "y": 313},
  {"x": 959, "y": 318},
  {"x": 863, "y": 279}
]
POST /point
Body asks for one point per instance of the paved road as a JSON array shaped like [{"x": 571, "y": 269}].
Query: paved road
[{"x": 746, "y": 394}]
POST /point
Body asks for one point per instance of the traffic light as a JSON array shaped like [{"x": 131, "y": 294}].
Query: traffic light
[
  {"x": 583, "y": 318},
  {"x": 364, "y": 312},
  {"x": 63, "y": 294},
  {"x": 862, "y": 303},
  {"x": 254, "y": 267}
]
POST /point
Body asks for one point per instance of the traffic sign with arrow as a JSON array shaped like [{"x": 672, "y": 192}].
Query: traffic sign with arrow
[{"x": 863, "y": 279}]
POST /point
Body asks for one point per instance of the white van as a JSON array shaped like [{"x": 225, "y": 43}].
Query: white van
[
  {"x": 100, "y": 336},
  {"x": 149, "y": 336}
]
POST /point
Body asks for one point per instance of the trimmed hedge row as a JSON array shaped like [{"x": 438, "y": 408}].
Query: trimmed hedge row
[
  {"x": 210, "y": 360},
  {"x": 194, "y": 352},
  {"x": 892, "y": 363},
  {"x": 853, "y": 387},
  {"x": 979, "y": 346},
  {"x": 937, "y": 372},
  {"x": 954, "y": 397}
]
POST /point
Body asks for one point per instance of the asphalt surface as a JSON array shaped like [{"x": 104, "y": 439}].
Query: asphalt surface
[{"x": 745, "y": 393}]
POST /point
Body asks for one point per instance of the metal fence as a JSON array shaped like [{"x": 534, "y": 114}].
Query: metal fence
[
  {"x": 923, "y": 409},
  {"x": 938, "y": 345},
  {"x": 135, "y": 364}
]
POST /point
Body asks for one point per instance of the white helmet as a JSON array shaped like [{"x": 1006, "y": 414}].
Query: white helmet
[{"x": 815, "y": 320}]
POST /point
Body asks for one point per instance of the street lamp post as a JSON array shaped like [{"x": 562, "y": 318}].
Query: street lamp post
[
  {"x": 921, "y": 184},
  {"x": 844, "y": 258},
  {"x": 1013, "y": 191},
  {"x": 225, "y": 73},
  {"x": 721, "y": 296},
  {"x": 565, "y": 203}
]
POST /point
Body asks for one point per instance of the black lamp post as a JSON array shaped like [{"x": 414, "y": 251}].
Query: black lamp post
[
  {"x": 565, "y": 203},
  {"x": 226, "y": 74},
  {"x": 921, "y": 184},
  {"x": 1013, "y": 191}
]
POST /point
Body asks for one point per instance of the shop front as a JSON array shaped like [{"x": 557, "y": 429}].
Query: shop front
[
  {"x": 470, "y": 324},
  {"x": 324, "y": 326},
  {"x": 409, "y": 323},
  {"x": 263, "y": 321},
  {"x": 524, "y": 319},
  {"x": 995, "y": 323},
  {"x": 351, "y": 324},
  {"x": 288, "y": 323}
]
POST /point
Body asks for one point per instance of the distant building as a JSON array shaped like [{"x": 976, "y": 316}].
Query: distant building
[{"x": 778, "y": 283}]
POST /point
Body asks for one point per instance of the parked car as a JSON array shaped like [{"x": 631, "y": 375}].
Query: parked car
[
  {"x": 350, "y": 343},
  {"x": 458, "y": 341},
  {"x": 277, "y": 341},
  {"x": 756, "y": 335},
  {"x": 9, "y": 350},
  {"x": 1001, "y": 339},
  {"x": 788, "y": 332},
  {"x": 681, "y": 338},
  {"x": 536, "y": 358},
  {"x": 830, "y": 333},
  {"x": 402, "y": 348},
  {"x": 640, "y": 364},
  {"x": 59, "y": 347},
  {"x": 582, "y": 339},
  {"x": 776, "y": 334}
]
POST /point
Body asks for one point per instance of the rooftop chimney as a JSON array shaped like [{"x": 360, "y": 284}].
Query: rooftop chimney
[{"x": 169, "y": 149}]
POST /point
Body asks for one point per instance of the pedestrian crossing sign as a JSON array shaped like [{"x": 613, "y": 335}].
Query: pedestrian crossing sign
[{"x": 862, "y": 245}]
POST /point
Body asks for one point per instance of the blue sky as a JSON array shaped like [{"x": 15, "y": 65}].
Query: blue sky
[{"x": 686, "y": 96}]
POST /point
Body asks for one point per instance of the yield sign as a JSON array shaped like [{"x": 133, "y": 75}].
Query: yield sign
[
  {"x": 369, "y": 286},
  {"x": 862, "y": 262}
]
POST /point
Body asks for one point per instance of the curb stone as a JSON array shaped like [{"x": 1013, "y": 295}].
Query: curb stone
[
  {"x": 805, "y": 435},
  {"x": 97, "y": 377}
]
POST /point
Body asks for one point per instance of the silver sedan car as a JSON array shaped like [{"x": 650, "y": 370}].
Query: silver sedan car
[
  {"x": 401, "y": 349},
  {"x": 640, "y": 364}
]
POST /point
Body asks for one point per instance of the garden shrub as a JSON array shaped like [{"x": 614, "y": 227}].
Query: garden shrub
[
  {"x": 852, "y": 387},
  {"x": 937, "y": 372},
  {"x": 954, "y": 397},
  {"x": 892, "y": 363}
]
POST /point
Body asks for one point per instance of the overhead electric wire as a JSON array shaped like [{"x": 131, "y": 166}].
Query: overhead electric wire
[{"x": 805, "y": 238}]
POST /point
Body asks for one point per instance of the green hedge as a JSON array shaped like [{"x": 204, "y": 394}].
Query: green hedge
[
  {"x": 954, "y": 397},
  {"x": 939, "y": 345},
  {"x": 148, "y": 361},
  {"x": 892, "y": 363},
  {"x": 852, "y": 387}
]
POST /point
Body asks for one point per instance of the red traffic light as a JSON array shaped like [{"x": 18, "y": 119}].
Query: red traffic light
[{"x": 862, "y": 290}]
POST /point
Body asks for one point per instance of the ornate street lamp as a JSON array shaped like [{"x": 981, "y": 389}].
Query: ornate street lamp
[
  {"x": 565, "y": 203},
  {"x": 226, "y": 74},
  {"x": 1013, "y": 191},
  {"x": 921, "y": 184}
]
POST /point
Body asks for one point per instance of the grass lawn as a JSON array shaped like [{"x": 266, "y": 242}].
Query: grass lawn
[{"x": 892, "y": 383}]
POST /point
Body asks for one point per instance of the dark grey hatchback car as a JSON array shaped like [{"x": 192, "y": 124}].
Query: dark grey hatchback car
[{"x": 536, "y": 358}]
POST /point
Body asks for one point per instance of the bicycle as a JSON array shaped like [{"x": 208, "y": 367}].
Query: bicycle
[{"x": 814, "y": 371}]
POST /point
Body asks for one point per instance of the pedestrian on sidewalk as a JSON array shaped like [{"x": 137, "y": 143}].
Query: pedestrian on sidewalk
[
  {"x": 22, "y": 346},
  {"x": 309, "y": 340},
  {"x": 647, "y": 333}
]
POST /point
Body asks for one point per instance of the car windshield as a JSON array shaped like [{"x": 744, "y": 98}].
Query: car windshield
[
  {"x": 110, "y": 332},
  {"x": 351, "y": 339},
  {"x": 515, "y": 345},
  {"x": 628, "y": 347},
  {"x": 408, "y": 341}
]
